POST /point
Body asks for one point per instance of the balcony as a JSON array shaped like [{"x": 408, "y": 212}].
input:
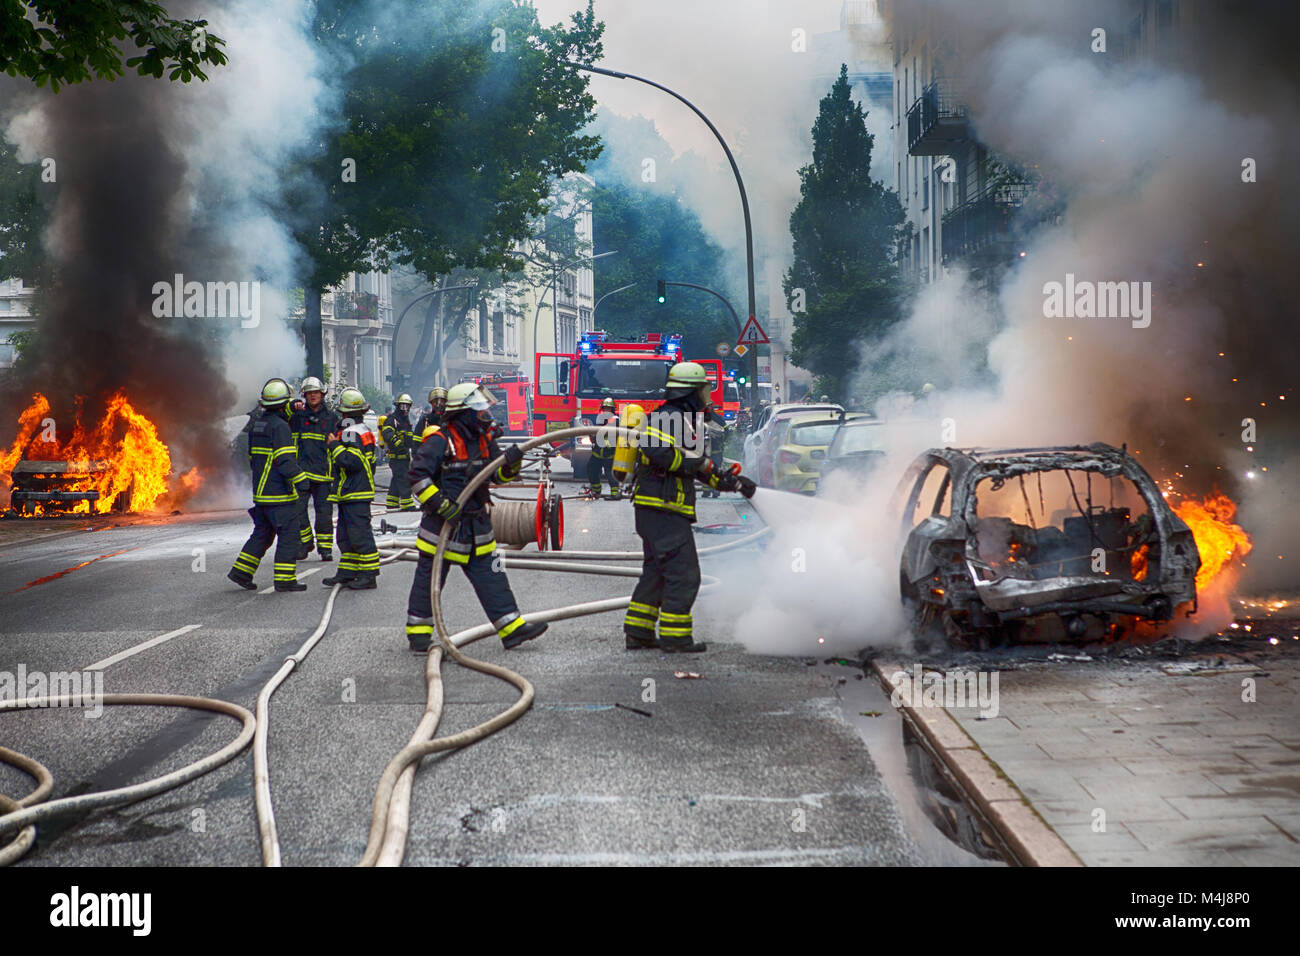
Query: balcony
[
  {"x": 986, "y": 226},
  {"x": 357, "y": 308},
  {"x": 936, "y": 122}
]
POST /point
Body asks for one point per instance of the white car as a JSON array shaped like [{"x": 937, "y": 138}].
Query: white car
[{"x": 759, "y": 446}]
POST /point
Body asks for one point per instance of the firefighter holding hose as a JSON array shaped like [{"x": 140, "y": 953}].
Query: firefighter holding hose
[
  {"x": 312, "y": 426},
  {"x": 445, "y": 462},
  {"x": 399, "y": 439},
  {"x": 669, "y": 462},
  {"x": 278, "y": 480},
  {"x": 352, "y": 456}
]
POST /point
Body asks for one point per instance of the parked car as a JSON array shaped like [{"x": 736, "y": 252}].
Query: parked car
[
  {"x": 857, "y": 448},
  {"x": 800, "y": 449},
  {"x": 1039, "y": 545},
  {"x": 759, "y": 445}
]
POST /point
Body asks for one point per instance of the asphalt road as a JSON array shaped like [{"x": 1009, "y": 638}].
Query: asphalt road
[{"x": 756, "y": 763}]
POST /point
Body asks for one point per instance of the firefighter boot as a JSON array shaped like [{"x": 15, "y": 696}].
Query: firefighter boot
[
  {"x": 681, "y": 645},
  {"x": 245, "y": 581},
  {"x": 524, "y": 632},
  {"x": 364, "y": 581},
  {"x": 290, "y": 586},
  {"x": 343, "y": 577}
]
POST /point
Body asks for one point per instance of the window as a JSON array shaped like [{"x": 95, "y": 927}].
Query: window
[
  {"x": 498, "y": 331},
  {"x": 931, "y": 495},
  {"x": 484, "y": 334},
  {"x": 552, "y": 375}
]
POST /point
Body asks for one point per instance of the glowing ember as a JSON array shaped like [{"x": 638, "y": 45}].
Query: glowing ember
[
  {"x": 1218, "y": 538},
  {"x": 137, "y": 464}
]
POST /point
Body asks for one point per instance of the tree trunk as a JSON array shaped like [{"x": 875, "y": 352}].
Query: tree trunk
[{"x": 311, "y": 330}]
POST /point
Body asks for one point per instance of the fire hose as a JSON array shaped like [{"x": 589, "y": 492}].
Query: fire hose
[{"x": 390, "y": 812}]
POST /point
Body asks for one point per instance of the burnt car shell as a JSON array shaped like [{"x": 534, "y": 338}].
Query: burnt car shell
[{"x": 950, "y": 589}]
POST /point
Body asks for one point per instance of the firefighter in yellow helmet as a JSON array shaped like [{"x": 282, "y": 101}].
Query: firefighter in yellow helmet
[
  {"x": 601, "y": 463},
  {"x": 445, "y": 462},
  {"x": 278, "y": 480},
  {"x": 352, "y": 456},
  {"x": 433, "y": 417},
  {"x": 312, "y": 426},
  {"x": 399, "y": 439},
  {"x": 669, "y": 462}
]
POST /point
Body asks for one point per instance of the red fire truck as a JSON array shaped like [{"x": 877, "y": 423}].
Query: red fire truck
[
  {"x": 572, "y": 385},
  {"x": 730, "y": 404},
  {"x": 513, "y": 393}
]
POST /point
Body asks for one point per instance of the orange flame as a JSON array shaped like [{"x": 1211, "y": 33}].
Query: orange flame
[
  {"x": 1218, "y": 538},
  {"x": 136, "y": 463}
]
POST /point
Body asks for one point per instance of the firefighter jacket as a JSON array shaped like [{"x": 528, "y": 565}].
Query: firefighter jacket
[
  {"x": 428, "y": 419},
  {"x": 670, "y": 454},
  {"x": 273, "y": 459},
  {"x": 397, "y": 435},
  {"x": 352, "y": 453},
  {"x": 311, "y": 434},
  {"x": 602, "y": 447},
  {"x": 446, "y": 461}
]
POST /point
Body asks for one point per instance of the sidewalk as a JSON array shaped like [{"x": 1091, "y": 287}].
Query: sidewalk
[{"x": 1143, "y": 762}]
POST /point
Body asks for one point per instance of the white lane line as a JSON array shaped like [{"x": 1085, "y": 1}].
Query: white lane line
[
  {"x": 305, "y": 574},
  {"x": 132, "y": 651}
]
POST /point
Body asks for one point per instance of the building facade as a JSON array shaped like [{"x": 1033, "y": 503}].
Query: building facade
[
  {"x": 15, "y": 316},
  {"x": 357, "y": 331}
]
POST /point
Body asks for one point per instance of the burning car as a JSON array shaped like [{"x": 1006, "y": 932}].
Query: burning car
[{"x": 1040, "y": 545}]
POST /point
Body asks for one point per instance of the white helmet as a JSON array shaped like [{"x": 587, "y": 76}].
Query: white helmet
[{"x": 468, "y": 395}]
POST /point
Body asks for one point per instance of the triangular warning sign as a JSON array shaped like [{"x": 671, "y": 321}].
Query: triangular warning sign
[{"x": 752, "y": 334}]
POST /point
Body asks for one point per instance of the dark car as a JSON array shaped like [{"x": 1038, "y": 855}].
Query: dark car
[{"x": 1039, "y": 545}]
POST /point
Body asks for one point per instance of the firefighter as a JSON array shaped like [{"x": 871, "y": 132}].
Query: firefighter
[
  {"x": 399, "y": 439},
  {"x": 601, "y": 462},
  {"x": 278, "y": 480},
  {"x": 312, "y": 425},
  {"x": 352, "y": 458},
  {"x": 444, "y": 463},
  {"x": 669, "y": 462},
  {"x": 433, "y": 416}
]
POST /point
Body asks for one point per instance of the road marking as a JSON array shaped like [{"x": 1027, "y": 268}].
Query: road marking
[
  {"x": 132, "y": 651},
  {"x": 306, "y": 574}
]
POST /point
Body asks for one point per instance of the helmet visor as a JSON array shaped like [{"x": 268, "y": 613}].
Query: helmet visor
[{"x": 479, "y": 400}]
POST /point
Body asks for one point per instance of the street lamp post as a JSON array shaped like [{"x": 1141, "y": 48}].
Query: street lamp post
[
  {"x": 744, "y": 201},
  {"x": 622, "y": 288}
]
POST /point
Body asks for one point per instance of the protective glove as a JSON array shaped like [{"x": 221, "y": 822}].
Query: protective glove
[
  {"x": 745, "y": 486},
  {"x": 513, "y": 456},
  {"x": 444, "y": 507},
  {"x": 304, "y": 487}
]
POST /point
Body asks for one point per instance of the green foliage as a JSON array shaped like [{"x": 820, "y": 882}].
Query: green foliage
[
  {"x": 455, "y": 144},
  {"x": 379, "y": 400},
  {"x": 846, "y": 231},
  {"x": 70, "y": 41},
  {"x": 25, "y": 202},
  {"x": 656, "y": 236}
]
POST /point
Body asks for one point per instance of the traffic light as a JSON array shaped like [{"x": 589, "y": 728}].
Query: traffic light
[
  {"x": 663, "y": 291},
  {"x": 741, "y": 380}
]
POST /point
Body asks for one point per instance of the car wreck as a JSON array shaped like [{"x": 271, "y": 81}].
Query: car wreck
[{"x": 1067, "y": 544}]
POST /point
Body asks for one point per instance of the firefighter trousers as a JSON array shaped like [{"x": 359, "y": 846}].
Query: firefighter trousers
[
  {"x": 278, "y": 523},
  {"x": 323, "y": 540},
  {"x": 670, "y": 578},
  {"x": 598, "y": 468},
  {"x": 357, "y": 552},
  {"x": 399, "y": 486},
  {"x": 486, "y": 576}
]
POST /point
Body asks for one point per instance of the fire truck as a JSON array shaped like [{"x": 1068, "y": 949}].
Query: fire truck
[
  {"x": 514, "y": 399},
  {"x": 730, "y": 404},
  {"x": 569, "y": 386}
]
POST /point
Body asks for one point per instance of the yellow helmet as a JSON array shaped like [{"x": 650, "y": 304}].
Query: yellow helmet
[
  {"x": 686, "y": 378},
  {"x": 437, "y": 392},
  {"x": 275, "y": 392},
  {"x": 468, "y": 395},
  {"x": 353, "y": 403},
  {"x": 403, "y": 399}
]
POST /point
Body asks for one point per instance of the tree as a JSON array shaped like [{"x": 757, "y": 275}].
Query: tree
[
  {"x": 846, "y": 231},
  {"x": 656, "y": 237},
  {"x": 456, "y": 118},
  {"x": 69, "y": 41}
]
